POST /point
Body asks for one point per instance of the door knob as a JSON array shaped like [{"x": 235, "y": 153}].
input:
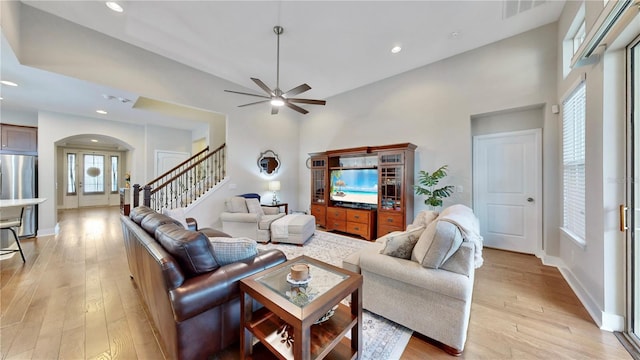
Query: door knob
[{"x": 530, "y": 199}]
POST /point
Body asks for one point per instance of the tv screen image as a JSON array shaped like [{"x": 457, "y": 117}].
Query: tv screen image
[{"x": 355, "y": 186}]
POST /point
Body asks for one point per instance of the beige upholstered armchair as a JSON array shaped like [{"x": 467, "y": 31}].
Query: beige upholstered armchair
[{"x": 245, "y": 217}]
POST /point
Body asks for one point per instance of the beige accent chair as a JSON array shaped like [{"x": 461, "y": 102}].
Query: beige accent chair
[
  {"x": 427, "y": 285},
  {"x": 245, "y": 217}
]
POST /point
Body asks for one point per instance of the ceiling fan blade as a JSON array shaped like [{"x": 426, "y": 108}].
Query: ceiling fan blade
[
  {"x": 274, "y": 110},
  {"x": 253, "y": 103},
  {"x": 244, "y": 93},
  {"x": 296, "y": 107},
  {"x": 263, "y": 86},
  {"x": 297, "y": 90},
  {"x": 308, "y": 101}
]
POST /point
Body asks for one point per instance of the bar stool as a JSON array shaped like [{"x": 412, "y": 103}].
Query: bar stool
[{"x": 11, "y": 217}]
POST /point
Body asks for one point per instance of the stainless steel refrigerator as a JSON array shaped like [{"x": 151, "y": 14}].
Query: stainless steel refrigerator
[{"x": 18, "y": 180}]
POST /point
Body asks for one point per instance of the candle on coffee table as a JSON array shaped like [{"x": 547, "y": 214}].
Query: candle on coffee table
[{"x": 299, "y": 272}]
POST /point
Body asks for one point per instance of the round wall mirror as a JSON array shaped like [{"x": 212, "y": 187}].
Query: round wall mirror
[{"x": 268, "y": 162}]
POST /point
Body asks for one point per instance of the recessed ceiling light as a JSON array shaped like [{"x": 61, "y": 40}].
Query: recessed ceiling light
[
  {"x": 114, "y": 6},
  {"x": 396, "y": 49},
  {"x": 94, "y": 140},
  {"x": 1, "y": 98},
  {"x": 454, "y": 34},
  {"x": 101, "y": 112},
  {"x": 8, "y": 83}
]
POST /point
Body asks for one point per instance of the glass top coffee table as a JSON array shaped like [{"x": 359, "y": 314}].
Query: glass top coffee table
[{"x": 302, "y": 319}]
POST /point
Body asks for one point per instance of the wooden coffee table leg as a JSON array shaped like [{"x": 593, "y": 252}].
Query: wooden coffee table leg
[
  {"x": 302, "y": 343},
  {"x": 356, "y": 331}
]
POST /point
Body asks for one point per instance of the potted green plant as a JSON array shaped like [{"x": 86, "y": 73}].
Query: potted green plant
[{"x": 427, "y": 186}]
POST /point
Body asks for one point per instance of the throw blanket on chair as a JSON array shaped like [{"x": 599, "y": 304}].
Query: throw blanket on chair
[
  {"x": 280, "y": 227},
  {"x": 464, "y": 218}
]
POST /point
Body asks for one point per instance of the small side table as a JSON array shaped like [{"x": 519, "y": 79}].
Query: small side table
[
  {"x": 278, "y": 205},
  {"x": 313, "y": 326},
  {"x": 125, "y": 197}
]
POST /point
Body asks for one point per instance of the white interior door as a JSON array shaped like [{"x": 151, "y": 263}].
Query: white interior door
[
  {"x": 507, "y": 189},
  {"x": 167, "y": 160}
]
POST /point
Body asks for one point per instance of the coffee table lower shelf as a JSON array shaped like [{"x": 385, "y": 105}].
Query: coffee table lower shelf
[{"x": 328, "y": 339}]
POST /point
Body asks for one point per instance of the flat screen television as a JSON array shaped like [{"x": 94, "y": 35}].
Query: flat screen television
[{"x": 357, "y": 186}]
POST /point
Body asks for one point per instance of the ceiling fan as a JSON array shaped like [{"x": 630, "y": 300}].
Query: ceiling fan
[{"x": 277, "y": 97}]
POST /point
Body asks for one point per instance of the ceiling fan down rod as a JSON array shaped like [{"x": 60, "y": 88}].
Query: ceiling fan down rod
[{"x": 278, "y": 30}]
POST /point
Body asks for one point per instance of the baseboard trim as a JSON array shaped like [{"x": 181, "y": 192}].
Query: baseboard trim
[
  {"x": 552, "y": 261},
  {"x": 605, "y": 321},
  {"x": 49, "y": 231}
]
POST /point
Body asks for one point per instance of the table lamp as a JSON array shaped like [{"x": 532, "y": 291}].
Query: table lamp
[{"x": 274, "y": 186}]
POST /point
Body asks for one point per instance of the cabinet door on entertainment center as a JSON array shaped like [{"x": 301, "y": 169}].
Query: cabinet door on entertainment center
[
  {"x": 392, "y": 207},
  {"x": 319, "y": 193},
  {"x": 320, "y": 213}
]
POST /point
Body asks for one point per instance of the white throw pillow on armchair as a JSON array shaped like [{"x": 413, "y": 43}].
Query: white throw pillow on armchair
[
  {"x": 237, "y": 204},
  {"x": 254, "y": 207}
]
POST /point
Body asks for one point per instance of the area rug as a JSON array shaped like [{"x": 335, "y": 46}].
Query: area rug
[{"x": 381, "y": 338}]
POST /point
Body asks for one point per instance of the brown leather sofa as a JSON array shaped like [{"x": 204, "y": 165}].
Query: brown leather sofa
[{"x": 193, "y": 303}]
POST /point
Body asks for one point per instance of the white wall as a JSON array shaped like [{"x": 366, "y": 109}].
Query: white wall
[
  {"x": 508, "y": 121},
  {"x": 166, "y": 139},
  {"x": 432, "y": 107},
  {"x": 53, "y": 127},
  {"x": 596, "y": 271}
]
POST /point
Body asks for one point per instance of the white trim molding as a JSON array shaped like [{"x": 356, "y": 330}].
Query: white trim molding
[{"x": 605, "y": 321}]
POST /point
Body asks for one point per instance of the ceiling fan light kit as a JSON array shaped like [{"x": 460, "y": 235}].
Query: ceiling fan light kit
[{"x": 277, "y": 97}]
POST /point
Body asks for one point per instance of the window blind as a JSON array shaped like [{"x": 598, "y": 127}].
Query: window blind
[{"x": 573, "y": 162}]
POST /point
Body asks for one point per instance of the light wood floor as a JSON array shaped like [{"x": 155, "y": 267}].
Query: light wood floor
[{"x": 73, "y": 300}]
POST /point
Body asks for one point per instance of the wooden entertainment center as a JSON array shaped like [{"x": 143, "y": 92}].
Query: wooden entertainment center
[{"x": 361, "y": 211}]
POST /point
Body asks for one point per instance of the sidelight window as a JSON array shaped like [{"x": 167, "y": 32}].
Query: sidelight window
[{"x": 573, "y": 163}]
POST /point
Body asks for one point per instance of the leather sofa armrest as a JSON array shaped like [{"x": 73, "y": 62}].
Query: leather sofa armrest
[
  {"x": 209, "y": 232},
  {"x": 239, "y": 217},
  {"x": 192, "y": 224},
  {"x": 206, "y": 291}
]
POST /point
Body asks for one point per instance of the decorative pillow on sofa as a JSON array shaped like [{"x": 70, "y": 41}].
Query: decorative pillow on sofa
[
  {"x": 445, "y": 242},
  {"x": 423, "y": 219},
  {"x": 229, "y": 250},
  {"x": 400, "y": 244},
  {"x": 424, "y": 242},
  {"x": 191, "y": 249},
  {"x": 254, "y": 206},
  {"x": 237, "y": 204},
  {"x": 177, "y": 214}
]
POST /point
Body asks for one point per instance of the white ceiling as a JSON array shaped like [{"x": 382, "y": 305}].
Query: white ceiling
[{"x": 334, "y": 46}]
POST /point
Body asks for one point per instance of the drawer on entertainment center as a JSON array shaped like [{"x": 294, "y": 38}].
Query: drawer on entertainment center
[
  {"x": 389, "y": 222},
  {"x": 339, "y": 225},
  {"x": 390, "y": 219},
  {"x": 358, "y": 229},
  {"x": 358, "y": 216},
  {"x": 335, "y": 213}
]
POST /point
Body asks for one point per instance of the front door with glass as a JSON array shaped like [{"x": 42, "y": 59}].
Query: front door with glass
[{"x": 92, "y": 178}]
